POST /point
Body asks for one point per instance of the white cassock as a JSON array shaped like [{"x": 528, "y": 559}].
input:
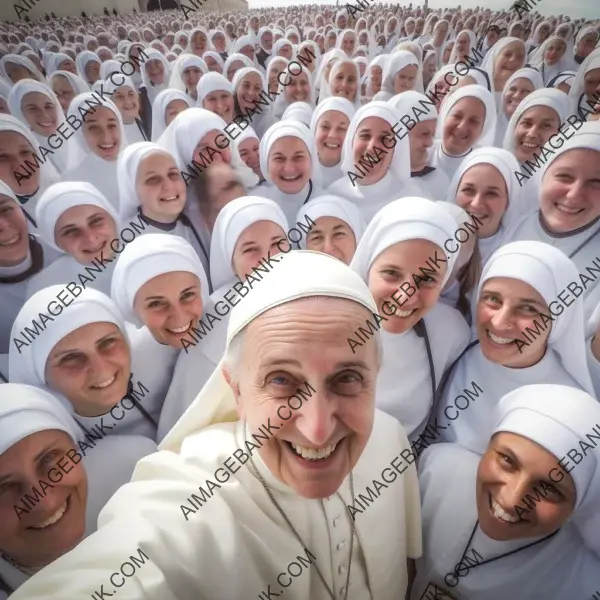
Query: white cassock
[
  {"x": 235, "y": 543},
  {"x": 560, "y": 567},
  {"x": 433, "y": 182}
]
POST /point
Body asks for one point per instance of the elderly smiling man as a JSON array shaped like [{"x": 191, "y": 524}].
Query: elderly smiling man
[{"x": 281, "y": 478}]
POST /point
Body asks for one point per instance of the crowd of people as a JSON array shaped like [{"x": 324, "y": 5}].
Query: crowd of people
[{"x": 319, "y": 291}]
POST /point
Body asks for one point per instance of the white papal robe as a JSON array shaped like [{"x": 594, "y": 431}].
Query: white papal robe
[{"x": 235, "y": 543}]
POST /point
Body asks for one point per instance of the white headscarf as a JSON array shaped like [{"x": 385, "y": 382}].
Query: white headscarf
[
  {"x": 54, "y": 60},
  {"x": 79, "y": 149},
  {"x": 534, "y": 76},
  {"x": 550, "y": 71},
  {"x": 185, "y": 131},
  {"x": 183, "y": 62},
  {"x": 108, "y": 67},
  {"x": 212, "y": 82},
  {"x": 79, "y": 85},
  {"x": 333, "y": 206},
  {"x": 48, "y": 174},
  {"x": 216, "y": 57},
  {"x": 26, "y": 410},
  {"x": 395, "y": 63},
  {"x": 159, "y": 109},
  {"x": 549, "y": 271},
  {"x": 83, "y": 58},
  {"x": 517, "y": 208},
  {"x": 319, "y": 80},
  {"x": 289, "y": 203},
  {"x": 400, "y": 165},
  {"x": 577, "y": 95},
  {"x": 281, "y": 103},
  {"x": 28, "y": 364},
  {"x": 559, "y": 419},
  {"x": 59, "y": 198},
  {"x": 489, "y": 61},
  {"x": 152, "y": 89},
  {"x": 327, "y": 93},
  {"x": 22, "y": 61},
  {"x": 299, "y": 274},
  {"x": 472, "y": 43},
  {"x": 149, "y": 256},
  {"x": 300, "y": 112},
  {"x": 233, "y": 220},
  {"x": 15, "y": 99},
  {"x": 411, "y": 218},
  {"x": 127, "y": 167},
  {"x": 237, "y": 57},
  {"x": 549, "y": 97}
]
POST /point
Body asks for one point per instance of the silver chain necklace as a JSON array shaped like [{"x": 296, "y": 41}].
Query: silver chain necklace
[{"x": 297, "y": 535}]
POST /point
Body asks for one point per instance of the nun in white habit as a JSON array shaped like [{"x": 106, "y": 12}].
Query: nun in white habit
[
  {"x": 401, "y": 258},
  {"x": 32, "y": 422},
  {"x": 582, "y": 101},
  {"x": 186, "y": 72},
  {"x": 95, "y": 146},
  {"x": 126, "y": 99},
  {"x": 516, "y": 297},
  {"x": 166, "y": 106},
  {"x": 281, "y": 505},
  {"x": 22, "y": 257},
  {"x": 337, "y": 229},
  {"x": 485, "y": 186},
  {"x": 151, "y": 188},
  {"x": 248, "y": 98},
  {"x": 42, "y": 113},
  {"x": 33, "y": 175},
  {"x": 77, "y": 221},
  {"x": 160, "y": 285},
  {"x": 289, "y": 163},
  {"x": 519, "y": 85},
  {"x": 402, "y": 72},
  {"x": 432, "y": 181},
  {"x": 329, "y": 126},
  {"x": 530, "y": 128},
  {"x": 196, "y": 139},
  {"x": 568, "y": 216},
  {"x": 516, "y": 509},
  {"x": 375, "y": 160},
  {"x": 467, "y": 120},
  {"x": 100, "y": 368},
  {"x": 88, "y": 66},
  {"x": 155, "y": 82}
]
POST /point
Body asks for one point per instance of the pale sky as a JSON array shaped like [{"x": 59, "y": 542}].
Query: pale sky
[{"x": 590, "y": 9}]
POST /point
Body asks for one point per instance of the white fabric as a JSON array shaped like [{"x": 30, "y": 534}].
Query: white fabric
[
  {"x": 395, "y": 63},
  {"x": 536, "y": 80},
  {"x": 577, "y": 96},
  {"x": 183, "y": 134},
  {"x": 403, "y": 220},
  {"x": 152, "y": 89},
  {"x": 326, "y": 91},
  {"x": 395, "y": 184},
  {"x": 538, "y": 60},
  {"x": 78, "y": 85},
  {"x": 82, "y": 59},
  {"x": 581, "y": 247},
  {"x": 22, "y": 61},
  {"x": 301, "y": 112},
  {"x": 15, "y": 99},
  {"x": 335, "y": 103},
  {"x": 233, "y": 220},
  {"x": 183, "y": 62},
  {"x": 261, "y": 121},
  {"x": 212, "y": 82},
  {"x": 446, "y": 161},
  {"x": 59, "y": 198},
  {"x": 333, "y": 206},
  {"x": 289, "y": 203},
  {"x": 517, "y": 208},
  {"x": 159, "y": 109},
  {"x": 149, "y": 256},
  {"x": 558, "y": 419}
]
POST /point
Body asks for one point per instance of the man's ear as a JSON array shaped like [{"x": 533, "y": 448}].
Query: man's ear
[{"x": 235, "y": 388}]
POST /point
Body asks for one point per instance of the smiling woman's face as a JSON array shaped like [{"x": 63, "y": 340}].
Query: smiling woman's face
[
  {"x": 292, "y": 347},
  {"x": 102, "y": 133},
  {"x": 84, "y": 232},
  {"x": 40, "y": 113},
  {"x": 289, "y": 164},
  {"x": 170, "y": 305},
  {"x": 515, "y": 472},
  {"x": 90, "y": 367},
  {"x": 40, "y": 535}
]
